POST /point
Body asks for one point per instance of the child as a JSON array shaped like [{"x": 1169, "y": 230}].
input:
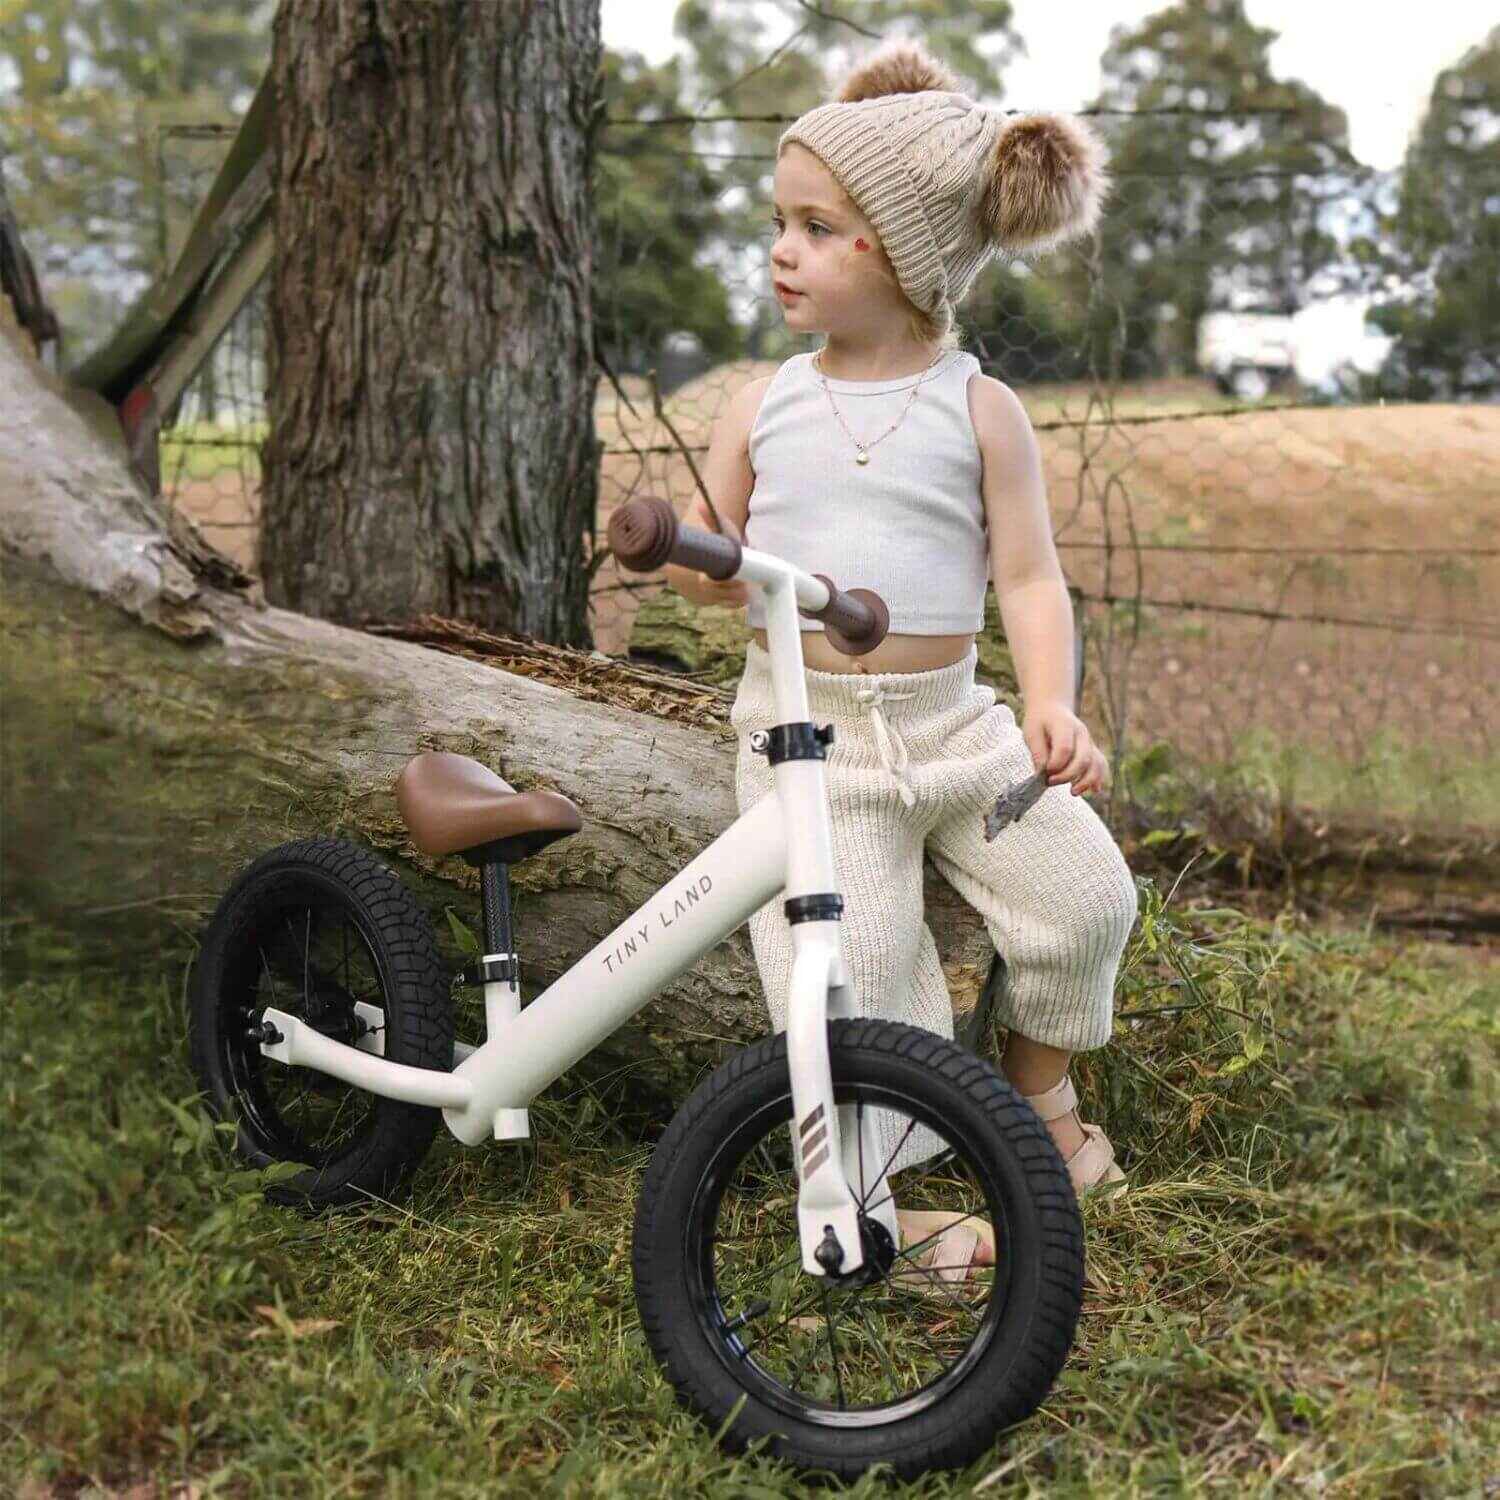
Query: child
[{"x": 881, "y": 460}]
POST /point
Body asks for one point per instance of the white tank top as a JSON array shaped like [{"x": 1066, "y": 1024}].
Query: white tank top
[{"x": 909, "y": 524}]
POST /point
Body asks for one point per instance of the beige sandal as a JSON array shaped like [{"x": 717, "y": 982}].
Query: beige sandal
[
  {"x": 1093, "y": 1163},
  {"x": 944, "y": 1263}
]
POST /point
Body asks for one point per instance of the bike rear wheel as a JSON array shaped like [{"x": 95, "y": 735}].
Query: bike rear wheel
[
  {"x": 843, "y": 1373},
  {"x": 323, "y": 930}
]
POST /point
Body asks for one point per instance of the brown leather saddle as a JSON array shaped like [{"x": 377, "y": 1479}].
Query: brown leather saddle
[{"x": 453, "y": 805}]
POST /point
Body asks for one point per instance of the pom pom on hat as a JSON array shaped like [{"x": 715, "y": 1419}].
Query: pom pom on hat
[
  {"x": 898, "y": 67},
  {"x": 1045, "y": 182}
]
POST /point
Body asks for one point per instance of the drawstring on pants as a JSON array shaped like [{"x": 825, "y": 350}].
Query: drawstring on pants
[{"x": 896, "y": 762}]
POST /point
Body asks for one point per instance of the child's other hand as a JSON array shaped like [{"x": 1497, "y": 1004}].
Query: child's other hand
[
  {"x": 1059, "y": 743},
  {"x": 724, "y": 591}
]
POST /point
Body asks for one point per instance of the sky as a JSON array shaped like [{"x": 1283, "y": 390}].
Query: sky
[{"x": 1380, "y": 78}]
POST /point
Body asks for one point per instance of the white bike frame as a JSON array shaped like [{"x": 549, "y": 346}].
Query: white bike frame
[{"x": 782, "y": 844}]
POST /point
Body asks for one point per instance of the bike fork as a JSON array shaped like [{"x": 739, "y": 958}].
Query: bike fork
[{"x": 829, "y": 1150}]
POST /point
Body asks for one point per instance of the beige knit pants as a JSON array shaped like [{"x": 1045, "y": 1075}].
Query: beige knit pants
[{"x": 917, "y": 760}]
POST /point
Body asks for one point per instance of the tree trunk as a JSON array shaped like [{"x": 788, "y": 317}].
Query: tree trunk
[
  {"x": 431, "y": 368},
  {"x": 163, "y": 726}
]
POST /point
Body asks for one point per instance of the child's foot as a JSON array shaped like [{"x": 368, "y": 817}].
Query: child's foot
[
  {"x": 932, "y": 1231},
  {"x": 1085, "y": 1149},
  {"x": 1066, "y": 1131}
]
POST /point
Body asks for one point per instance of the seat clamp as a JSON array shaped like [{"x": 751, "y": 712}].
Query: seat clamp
[{"x": 503, "y": 966}]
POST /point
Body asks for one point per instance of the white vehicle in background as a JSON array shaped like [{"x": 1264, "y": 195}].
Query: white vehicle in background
[{"x": 1248, "y": 354}]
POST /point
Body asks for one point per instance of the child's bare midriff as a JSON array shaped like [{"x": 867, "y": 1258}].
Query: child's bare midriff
[{"x": 896, "y": 653}]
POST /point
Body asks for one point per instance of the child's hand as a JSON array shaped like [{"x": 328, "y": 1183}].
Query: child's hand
[
  {"x": 1059, "y": 743},
  {"x": 724, "y": 591},
  {"x": 727, "y": 591}
]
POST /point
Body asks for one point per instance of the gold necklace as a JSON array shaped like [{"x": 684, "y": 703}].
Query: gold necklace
[{"x": 863, "y": 454}]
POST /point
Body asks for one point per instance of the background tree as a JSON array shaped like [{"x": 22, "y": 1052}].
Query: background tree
[
  {"x": 24, "y": 305},
  {"x": 430, "y": 336},
  {"x": 1445, "y": 241},
  {"x": 657, "y": 203},
  {"x": 1218, "y": 206},
  {"x": 1029, "y": 328}
]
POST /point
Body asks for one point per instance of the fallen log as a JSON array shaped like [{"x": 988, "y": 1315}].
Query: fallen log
[{"x": 163, "y": 726}]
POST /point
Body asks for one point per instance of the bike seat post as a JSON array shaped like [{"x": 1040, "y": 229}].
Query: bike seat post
[
  {"x": 502, "y": 996},
  {"x": 495, "y": 886}
]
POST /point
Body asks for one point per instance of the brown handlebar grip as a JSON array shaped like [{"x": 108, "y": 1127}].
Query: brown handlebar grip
[
  {"x": 855, "y": 620},
  {"x": 645, "y": 533},
  {"x": 642, "y": 533}
]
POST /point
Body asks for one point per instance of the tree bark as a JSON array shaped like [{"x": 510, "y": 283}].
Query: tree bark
[
  {"x": 163, "y": 726},
  {"x": 430, "y": 338}
]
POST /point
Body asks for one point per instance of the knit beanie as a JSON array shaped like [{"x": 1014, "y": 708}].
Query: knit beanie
[{"x": 946, "y": 182}]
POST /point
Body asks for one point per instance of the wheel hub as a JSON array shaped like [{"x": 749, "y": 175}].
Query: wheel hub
[
  {"x": 328, "y": 1010},
  {"x": 331, "y": 1010},
  {"x": 879, "y": 1251}
]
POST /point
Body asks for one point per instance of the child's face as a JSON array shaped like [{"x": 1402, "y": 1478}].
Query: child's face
[{"x": 824, "y": 249}]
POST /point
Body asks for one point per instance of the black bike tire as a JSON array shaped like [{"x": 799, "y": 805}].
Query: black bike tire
[
  {"x": 1012, "y": 1378},
  {"x": 416, "y": 997}
]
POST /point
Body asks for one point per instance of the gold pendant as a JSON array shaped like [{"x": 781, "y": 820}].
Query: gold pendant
[{"x": 863, "y": 458}]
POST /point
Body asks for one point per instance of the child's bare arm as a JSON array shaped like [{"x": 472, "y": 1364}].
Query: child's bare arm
[{"x": 1030, "y": 589}]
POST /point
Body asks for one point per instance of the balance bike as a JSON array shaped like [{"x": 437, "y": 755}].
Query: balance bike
[{"x": 772, "y": 1278}]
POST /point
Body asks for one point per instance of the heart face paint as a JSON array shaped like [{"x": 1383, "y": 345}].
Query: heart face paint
[{"x": 859, "y": 244}]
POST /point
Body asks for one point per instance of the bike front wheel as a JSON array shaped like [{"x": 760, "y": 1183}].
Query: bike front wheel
[{"x": 889, "y": 1364}]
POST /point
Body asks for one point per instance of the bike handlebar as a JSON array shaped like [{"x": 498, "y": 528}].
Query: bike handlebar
[{"x": 645, "y": 533}]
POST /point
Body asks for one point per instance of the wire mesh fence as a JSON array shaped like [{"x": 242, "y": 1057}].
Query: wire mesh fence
[{"x": 1284, "y": 558}]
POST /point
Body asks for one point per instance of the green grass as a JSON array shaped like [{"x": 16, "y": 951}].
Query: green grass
[
  {"x": 1399, "y": 780},
  {"x": 1297, "y": 1296}
]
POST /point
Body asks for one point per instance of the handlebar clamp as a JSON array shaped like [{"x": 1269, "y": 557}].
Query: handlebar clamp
[{"x": 799, "y": 741}]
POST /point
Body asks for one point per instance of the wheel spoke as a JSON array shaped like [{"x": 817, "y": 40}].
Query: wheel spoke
[
  {"x": 887, "y": 1167},
  {"x": 306, "y": 941},
  {"x": 917, "y": 1245},
  {"x": 800, "y": 1310},
  {"x": 876, "y": 1341},
  {"x": 304, "y": 1089},
  {"x": 859, "y": 1139},
  {"x": 344, "y": 1098},
  {"x": 786, "y": 1263},
  {"x": 833, "y": 1347},
  {"x": 266, "y": 969},
  {"x": 854, "y": 1320},
  {"x": 310, "y": 1115}
]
